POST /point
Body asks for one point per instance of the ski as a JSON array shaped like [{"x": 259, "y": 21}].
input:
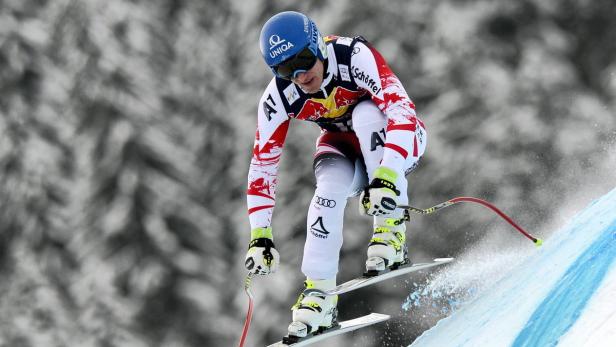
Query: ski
[
  {"x": 371, "y": 278},
  {"x": 340, "y": 328}
]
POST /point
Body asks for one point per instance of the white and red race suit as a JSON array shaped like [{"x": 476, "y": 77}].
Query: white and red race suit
[{"x": 355, "y": 75}]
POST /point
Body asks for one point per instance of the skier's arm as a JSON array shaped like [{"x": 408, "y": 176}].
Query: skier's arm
[
  {"x": 272, "y": 125},
  {"x": 371, "y": 72},
  {"x": 403, "y": 135}
]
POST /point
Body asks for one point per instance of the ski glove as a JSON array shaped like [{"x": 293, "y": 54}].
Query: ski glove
[
  {"x": 262, "y": 257},
  {"x": 380, "y": 197}
]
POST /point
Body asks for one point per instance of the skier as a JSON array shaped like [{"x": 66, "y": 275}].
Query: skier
[{"x": 369, "y": 133}]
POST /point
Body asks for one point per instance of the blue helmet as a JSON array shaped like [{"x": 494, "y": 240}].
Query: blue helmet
[{"x": 288, "y": 33}]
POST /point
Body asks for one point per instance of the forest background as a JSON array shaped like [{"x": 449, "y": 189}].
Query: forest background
[{"x": 127, "y": 130}]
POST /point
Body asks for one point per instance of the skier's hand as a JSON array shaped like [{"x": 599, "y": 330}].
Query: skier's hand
[
  {"x": 380, "y": 197},
  {"x": 262, "y": 257}
]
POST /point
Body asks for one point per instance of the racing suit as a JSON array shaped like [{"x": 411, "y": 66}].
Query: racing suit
[{"x": 366, "y": 120}]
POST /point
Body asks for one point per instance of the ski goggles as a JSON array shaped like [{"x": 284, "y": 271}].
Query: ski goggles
[{"x": 301, "y": 62}]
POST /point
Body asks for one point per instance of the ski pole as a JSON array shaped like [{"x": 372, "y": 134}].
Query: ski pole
[
  {"x": 537, "y": 241},
  {"x": 247, "y": 284}
]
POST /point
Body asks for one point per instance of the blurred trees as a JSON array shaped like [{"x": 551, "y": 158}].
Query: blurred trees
[{"x": 127, "y": 128}]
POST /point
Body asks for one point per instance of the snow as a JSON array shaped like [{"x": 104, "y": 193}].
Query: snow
[
  {"x": 598, "y": 325},
  {"x": 563, "y": 294}
]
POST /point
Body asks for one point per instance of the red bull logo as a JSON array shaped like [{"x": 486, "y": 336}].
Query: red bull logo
[{"x": 336, "y": 104}]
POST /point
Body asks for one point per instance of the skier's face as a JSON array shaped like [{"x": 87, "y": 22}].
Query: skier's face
[{"x": 310, "y": 81}]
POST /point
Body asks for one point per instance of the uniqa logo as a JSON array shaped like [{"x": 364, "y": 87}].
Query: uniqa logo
[
  {"x": 278, "y": 46},
  {"x": 275, "y": 40},
  {"x": 283, "y": 48},
  {"x": 315, "y": 35}
]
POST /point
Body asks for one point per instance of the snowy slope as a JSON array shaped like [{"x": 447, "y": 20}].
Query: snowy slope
[{"x": 564, "y": 294}]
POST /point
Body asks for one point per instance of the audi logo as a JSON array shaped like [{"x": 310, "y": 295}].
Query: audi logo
[{"x": 325, "y": 202}]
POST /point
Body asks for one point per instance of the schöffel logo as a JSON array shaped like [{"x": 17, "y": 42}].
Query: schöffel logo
[
  {"x": 317, "y": 229},
  {"x": 278, "y": 45},
  {"x": 325, "y": 202},
  {"x": 367, "y": 79}
]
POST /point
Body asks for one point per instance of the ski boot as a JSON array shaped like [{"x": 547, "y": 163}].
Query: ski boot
[
  {"x": 313, "y": 314},
  {"x": 387, "y": 249}
]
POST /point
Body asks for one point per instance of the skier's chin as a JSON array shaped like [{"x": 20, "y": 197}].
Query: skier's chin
[
  {"x": 311, "y": 90},
  {"x": 311, "y": 86}
]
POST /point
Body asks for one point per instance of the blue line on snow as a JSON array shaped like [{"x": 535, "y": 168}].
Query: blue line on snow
[{"x": 564, "y": 304}]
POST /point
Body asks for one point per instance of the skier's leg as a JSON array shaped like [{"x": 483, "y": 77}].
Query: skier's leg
[
  {"x": 334, "y": 175},
  {"x": 335, "y": 179},
  {"x": 388, "y": 244}
]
